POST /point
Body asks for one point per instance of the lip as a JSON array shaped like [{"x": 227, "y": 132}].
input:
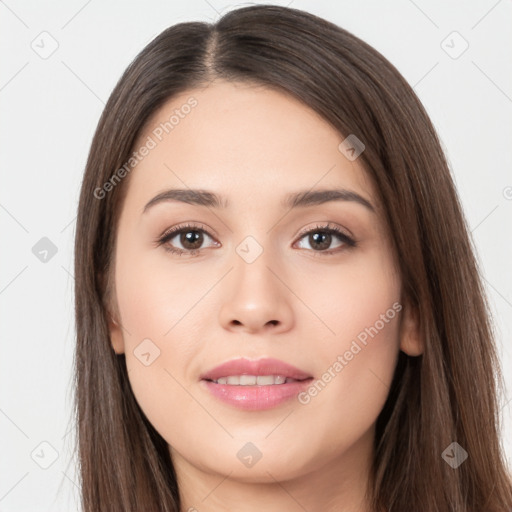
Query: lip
[{"x": 255, "y": 398}]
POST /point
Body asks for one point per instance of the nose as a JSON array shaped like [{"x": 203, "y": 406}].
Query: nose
[{"x": 256, "y": 298}]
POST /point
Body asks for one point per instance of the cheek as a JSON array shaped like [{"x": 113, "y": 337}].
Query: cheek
[
  {"x": 158, "y": 348},
  {"x": 359, "y": 356},
  {"x": 162, "y": 308},
  {"x": 343, "y": 403},
  {"x": 154, "y": 297},
  {"x": 361, "y": 302}
]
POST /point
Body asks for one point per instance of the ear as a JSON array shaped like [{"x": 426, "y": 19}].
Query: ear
[
  {"x": 410, "y": 337},
  {"x": 109, "y": 303},
  {"x": 116, "y": 334}
]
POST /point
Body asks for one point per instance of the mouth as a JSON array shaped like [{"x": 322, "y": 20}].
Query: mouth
[
  {"x": 255, "y": 380},
  {"x": 255, "y": 385}
]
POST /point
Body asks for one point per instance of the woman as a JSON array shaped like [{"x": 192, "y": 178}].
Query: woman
[{"x": 277, "y": 302}]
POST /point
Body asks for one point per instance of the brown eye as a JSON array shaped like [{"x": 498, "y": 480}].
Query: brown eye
[
  {"x": 191, "y": 239},
  {"x": 321, "y": 238},
  {"x": 185, "y": 239}
]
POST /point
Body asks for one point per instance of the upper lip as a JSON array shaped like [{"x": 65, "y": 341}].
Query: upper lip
[{"x": 267, "y": 366}]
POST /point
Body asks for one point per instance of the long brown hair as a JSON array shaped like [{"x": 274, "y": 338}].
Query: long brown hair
[{"x": 448, "y": 394}]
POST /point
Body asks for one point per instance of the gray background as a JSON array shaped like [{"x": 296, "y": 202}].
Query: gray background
[{"x": 50, "y": 105}]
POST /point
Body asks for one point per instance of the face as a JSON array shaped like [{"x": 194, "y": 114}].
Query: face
[{"x": 312, "y": 284}]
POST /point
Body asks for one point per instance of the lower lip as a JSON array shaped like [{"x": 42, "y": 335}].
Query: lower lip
[{"x": 256, "y": 398}]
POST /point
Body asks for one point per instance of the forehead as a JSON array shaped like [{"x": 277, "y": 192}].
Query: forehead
[{"x": 241, "y": 137}]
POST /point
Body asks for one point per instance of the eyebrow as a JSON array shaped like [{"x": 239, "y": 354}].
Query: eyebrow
[{"x": 300, "y": 199}]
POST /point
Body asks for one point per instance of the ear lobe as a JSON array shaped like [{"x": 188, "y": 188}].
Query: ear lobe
[{"x": 410, "y": 337}]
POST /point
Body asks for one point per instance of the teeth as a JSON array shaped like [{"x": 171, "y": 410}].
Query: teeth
[
  {"x": 268, "y": 380},
  {"x": 248, "y": 380},
  {"x": 252, "y": 380}
]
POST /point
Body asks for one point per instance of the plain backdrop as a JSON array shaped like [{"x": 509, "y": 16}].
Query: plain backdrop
[{"x": 59, "y": 63}]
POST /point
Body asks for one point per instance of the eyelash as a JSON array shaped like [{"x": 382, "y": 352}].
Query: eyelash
[{"x": 326, "y": 228}]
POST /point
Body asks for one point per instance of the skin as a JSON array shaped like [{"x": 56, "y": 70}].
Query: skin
[{"x": 254, "y": 145}]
